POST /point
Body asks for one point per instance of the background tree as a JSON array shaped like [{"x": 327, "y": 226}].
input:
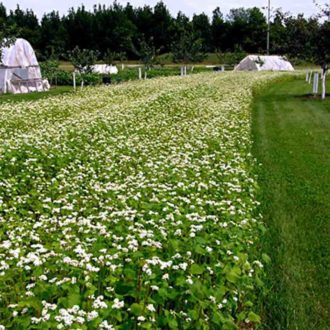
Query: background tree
[
  {"x": 322, "y": 54},
  {"x": 247, "y": 29},
  {"x": 7, "y": 31},
  {"x": 219, "y": 31},
  {"x": 202, "y": 30},
  {"x": 147, "y": 52},
  {"x": 26, "y": 25},
  {"x": 299, "y": 36},
  {"x": 53, "y": 36},
  {"x": 118, "y": 28},
  {"x": 188, "y": 49},
  {"x": 83, "y": 59}
]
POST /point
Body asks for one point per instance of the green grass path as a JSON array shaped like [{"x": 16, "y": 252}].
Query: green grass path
[
  {"x": 54, "y": 91},
  {"x": 292, "y": 141}
]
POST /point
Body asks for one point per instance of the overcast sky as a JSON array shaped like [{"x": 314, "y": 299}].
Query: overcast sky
[{"x": 189, "y": 7}]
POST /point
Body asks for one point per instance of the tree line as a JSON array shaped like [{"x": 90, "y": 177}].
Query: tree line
[{"x": 139, "y": 31}]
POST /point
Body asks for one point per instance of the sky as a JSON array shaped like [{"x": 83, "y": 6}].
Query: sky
[{"x": 189, "y": 7}]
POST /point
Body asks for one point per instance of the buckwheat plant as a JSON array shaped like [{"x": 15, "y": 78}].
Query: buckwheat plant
[{"x": 131, "y": 207}]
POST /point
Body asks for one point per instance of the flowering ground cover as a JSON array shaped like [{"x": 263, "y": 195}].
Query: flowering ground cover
[{"x": 131, "y": 207}]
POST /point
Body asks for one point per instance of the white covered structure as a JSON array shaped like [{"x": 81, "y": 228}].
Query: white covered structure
[
  {"x": 264, "y": 63},
  {"x": 19, "y": 69},
  {"x": 104, "y": 69}
]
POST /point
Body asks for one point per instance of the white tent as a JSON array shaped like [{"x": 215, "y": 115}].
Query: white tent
[
  {"x": 264, "y": 63},
  {"x": 104, "y": 69},
  {"x": 19, "y": 69}
]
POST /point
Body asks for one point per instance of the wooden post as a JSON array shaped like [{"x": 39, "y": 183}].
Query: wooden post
[
  {"x": 185, "y": 70},
  {"x": 140, "y": 73},
  {"x": 145, "y": 75},
  {"x": 307, "y": 76},
  {"x": 74, "y": 81}
]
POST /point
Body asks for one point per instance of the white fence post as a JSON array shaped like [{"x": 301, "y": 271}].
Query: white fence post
[
  {"x": 315, "y": 83},
  {"x": 310, "y": 77},
  {"x": 74, "y": 81},
  {"x": 140, "y": 73},
  {"x": 307, "y": 76},
  {"x": 324, "y": 77}
]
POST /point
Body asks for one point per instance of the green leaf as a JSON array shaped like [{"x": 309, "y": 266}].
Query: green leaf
[
  {"x": 123, "y": 289},
  {"x": 196, "y": 269},
  {"x": 266, "y": 258},
  {"x": 73, "y": 299},
  {"x": 172, "y": 323},
  {"x": 136, "y": 309},
  {"x": 248, "y": 303},
  {"x": 254, "y": 317},
  {"x": 199, "y": 249},
  {"x": 233, "y": 275}
]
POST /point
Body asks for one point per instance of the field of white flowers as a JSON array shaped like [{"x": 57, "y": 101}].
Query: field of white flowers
[{"x": 131, "y": 207}]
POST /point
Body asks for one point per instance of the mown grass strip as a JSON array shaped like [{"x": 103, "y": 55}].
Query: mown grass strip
[
  {"x": 55, "y": 91},
  {"x": 291, "y": 134}
]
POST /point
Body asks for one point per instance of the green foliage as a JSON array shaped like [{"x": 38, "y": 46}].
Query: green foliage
[
  {"x": 131, "y": 207},
  {"x": 83, "y": 59},
  {"x": 7, "y": 34},
  {"x": 62, "y": 78},
  {"x": 188, "y": 49},
  {"x": 230, "y": 58},
  {"x": 146, "y": 52},
  {"x": 119, "y": 28},
  {"x": 110, "y": 57},
  {"x": 50, "y": 70}
]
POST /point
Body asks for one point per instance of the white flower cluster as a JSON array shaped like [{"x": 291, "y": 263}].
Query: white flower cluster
[{"x": 129, "y": 204}]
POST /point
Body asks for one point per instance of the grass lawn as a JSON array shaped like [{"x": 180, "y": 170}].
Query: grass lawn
[
  {"x": 35, "y": 95},
  {"x": 292, "y": 140}
]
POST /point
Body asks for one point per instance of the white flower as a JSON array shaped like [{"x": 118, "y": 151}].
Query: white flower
[
  {"x": 106, "y": 325},
  {"x": 165, "y": 277},
  {"x": 151, "y": 308},
  {"x": 141, "y": 318},
  {"x": 99, "y": 303},
  {"x": 92, "y": 315},
  {"x": 117, "y": 304}
]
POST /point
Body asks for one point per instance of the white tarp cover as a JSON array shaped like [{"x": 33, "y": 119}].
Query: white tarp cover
[
  {"x": 264, "y": 63},
  {"x": 105, "y": 69},
  {"x": 19, "y": 69}
]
